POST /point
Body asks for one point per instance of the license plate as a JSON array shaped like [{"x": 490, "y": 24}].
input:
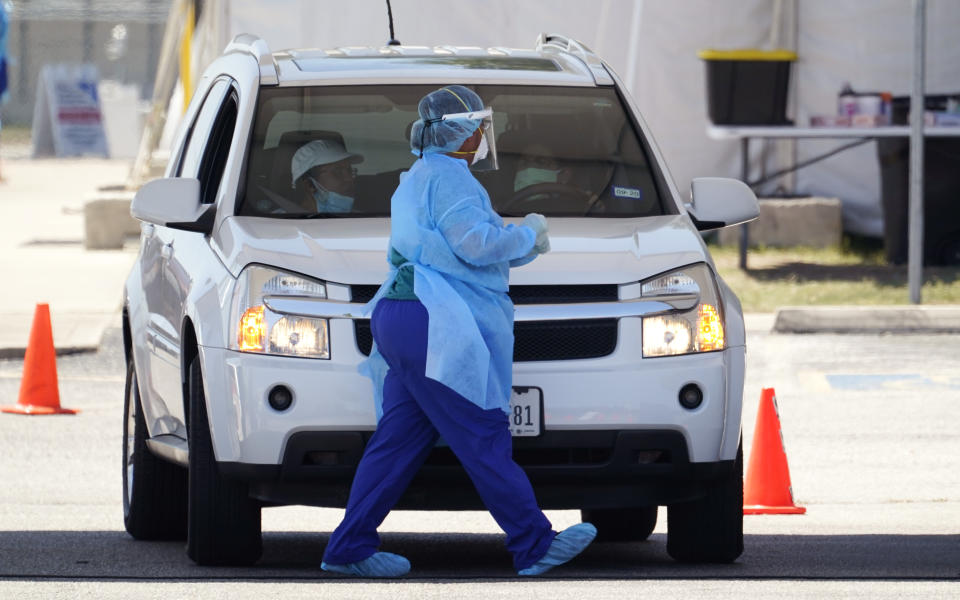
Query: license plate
[{"x": 526, "y": 412}]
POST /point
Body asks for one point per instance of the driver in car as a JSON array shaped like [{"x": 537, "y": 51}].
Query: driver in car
[
  {"x": 536, "y": 165},
  {"x": 324, "y": 176},
  {"x": 543, "y": 180}
]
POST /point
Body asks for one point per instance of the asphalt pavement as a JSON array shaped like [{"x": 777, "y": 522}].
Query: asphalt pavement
[{"x": 868, "y": 423}]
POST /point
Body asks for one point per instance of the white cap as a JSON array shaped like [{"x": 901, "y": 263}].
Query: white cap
[{"x": 319, "y": 152}]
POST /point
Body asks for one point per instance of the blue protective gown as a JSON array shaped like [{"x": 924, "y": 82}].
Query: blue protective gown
[{"x": 444, "y": 224}]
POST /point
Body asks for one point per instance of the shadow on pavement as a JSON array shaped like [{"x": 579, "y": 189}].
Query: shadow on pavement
[{"x": 113, "y": 555}]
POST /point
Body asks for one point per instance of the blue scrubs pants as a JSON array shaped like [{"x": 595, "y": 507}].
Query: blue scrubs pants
[{"x": 416, "y": 411}]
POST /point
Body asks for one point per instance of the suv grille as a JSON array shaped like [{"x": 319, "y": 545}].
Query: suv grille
[
  {"x": 537, "y": 340},
  {"x": 528, "y": 294},
  {"x": 442, "y": 456}
]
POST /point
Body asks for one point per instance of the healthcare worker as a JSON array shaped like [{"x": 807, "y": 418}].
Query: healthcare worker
[{"x": 443, "y": 327}]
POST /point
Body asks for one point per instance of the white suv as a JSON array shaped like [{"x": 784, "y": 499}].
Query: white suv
[{"x": 242, "y": 317}]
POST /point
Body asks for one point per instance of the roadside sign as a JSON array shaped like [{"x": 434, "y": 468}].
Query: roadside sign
[{"x": 66, "y": 117}]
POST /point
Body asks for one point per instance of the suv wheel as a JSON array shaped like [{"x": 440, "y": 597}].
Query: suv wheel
[
  {"x": 622, "y": 524},
  {"x": 223, "y": 527},
  {"x": 710, "y": 529},
  {"x": 154, "y": 490}
]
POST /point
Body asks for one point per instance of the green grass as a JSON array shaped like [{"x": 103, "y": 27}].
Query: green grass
[
  {"x": 15, "y": 134},
  {"x": 855, "y": 273}
]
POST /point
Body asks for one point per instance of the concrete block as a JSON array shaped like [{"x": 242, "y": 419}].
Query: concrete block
[
  {"x": 816, "y": 222},
  {"x": 868, "y": 319},
  {"x": 107, "y": 221}
]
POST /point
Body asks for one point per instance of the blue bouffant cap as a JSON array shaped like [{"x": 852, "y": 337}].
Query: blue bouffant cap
[{"x": 432, "y": 134}]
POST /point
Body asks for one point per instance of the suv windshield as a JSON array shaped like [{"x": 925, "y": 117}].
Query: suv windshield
[{"x": 335, "y": 151}]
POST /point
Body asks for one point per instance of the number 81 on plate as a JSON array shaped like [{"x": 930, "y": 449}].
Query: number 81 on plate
[{"x": 526, "y": 412}]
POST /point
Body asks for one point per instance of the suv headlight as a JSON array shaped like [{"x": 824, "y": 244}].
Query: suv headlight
[
  {"x": 698, "y": 330},
  {"x": 256, "y": 328}
]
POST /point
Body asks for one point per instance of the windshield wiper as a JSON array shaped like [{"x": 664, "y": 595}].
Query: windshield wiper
[
  {"x": 326, "y": 215},
  {"x": 321, "y": 215}
]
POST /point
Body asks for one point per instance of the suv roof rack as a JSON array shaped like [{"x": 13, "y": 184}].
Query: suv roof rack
[
  {"x": 571, "y": 46},
  {"x": 247, "y": 43}
]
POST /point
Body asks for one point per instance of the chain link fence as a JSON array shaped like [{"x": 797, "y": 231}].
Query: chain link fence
[{"x": 121, "y": 37}]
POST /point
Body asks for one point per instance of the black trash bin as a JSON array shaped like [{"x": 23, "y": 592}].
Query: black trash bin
[
  {"x": 747, "y": 87},
  {"x": 941, "y": 193}
]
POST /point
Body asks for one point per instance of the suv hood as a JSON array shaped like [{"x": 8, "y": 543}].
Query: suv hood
[{"x": 353, "y": 251}]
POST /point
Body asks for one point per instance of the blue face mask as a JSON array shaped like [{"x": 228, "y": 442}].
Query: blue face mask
[
  {"x": 532, "y": 176},
  {"x": 328, "y": 201}
]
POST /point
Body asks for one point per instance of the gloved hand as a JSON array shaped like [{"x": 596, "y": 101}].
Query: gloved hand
[
  {"x": 538, "y": 223},
  {"x": 542, "y": 246}
]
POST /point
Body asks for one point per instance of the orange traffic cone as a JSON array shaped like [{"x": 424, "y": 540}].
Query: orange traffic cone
[
  {"x": 38, "y": 387},
  {"x": 766, "y": 489}
]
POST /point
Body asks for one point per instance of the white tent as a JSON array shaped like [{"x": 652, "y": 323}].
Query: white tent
[{"x": 653, "y": 45}]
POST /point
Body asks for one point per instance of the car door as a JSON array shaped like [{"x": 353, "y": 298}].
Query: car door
[
  {"x": 165, "y": 283},
  {"x": 189, "y": 257}
]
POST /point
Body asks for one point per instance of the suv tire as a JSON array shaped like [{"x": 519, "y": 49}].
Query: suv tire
[
  {"x": 223, "y": 525},
  {"x": 710, "y": 529},
  {"x": 622, "y": 524},
  {"x": 154, "y": 490}
]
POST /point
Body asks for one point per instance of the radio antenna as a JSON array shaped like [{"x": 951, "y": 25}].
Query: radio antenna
[{"x": 393, "y": 41}]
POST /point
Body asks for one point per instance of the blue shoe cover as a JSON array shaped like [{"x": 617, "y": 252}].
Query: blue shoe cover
[
  {"x": 568, "y": 543},
  {"x": 381, "y": 564}
]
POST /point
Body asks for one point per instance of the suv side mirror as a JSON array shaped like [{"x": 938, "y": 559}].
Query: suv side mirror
[
  {"x": 720, "y": 202},
  {"x": 173, "y": 202}
]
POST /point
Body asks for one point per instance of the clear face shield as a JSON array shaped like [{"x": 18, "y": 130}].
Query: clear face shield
[{"x": 485, "y": 156}]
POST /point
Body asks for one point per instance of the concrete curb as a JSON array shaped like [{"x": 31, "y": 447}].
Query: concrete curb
[
  {"x": 16, "y": 353},
  {"x": 73, "y": 331},
  {"x": 868, "y": 319}
]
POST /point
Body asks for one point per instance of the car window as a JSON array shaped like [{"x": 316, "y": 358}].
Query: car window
[
  {"x": 563, "y": 151},
  {"x": 200, "y": 130},
  {"x": 217, "y": 150}
]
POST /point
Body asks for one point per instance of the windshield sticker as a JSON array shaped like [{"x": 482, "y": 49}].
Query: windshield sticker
[{"x": 626, "y": 192}]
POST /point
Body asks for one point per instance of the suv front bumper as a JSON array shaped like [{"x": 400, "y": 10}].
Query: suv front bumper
[
  {"x": 615, "y": 393},
  {"x": 568, "y": 470}
]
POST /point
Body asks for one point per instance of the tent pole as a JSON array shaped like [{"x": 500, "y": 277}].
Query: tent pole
[
  {"x": 744, "y": 177},
  {"x": 633, "y": 44},
  {"x": 917, "y": 105}
]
